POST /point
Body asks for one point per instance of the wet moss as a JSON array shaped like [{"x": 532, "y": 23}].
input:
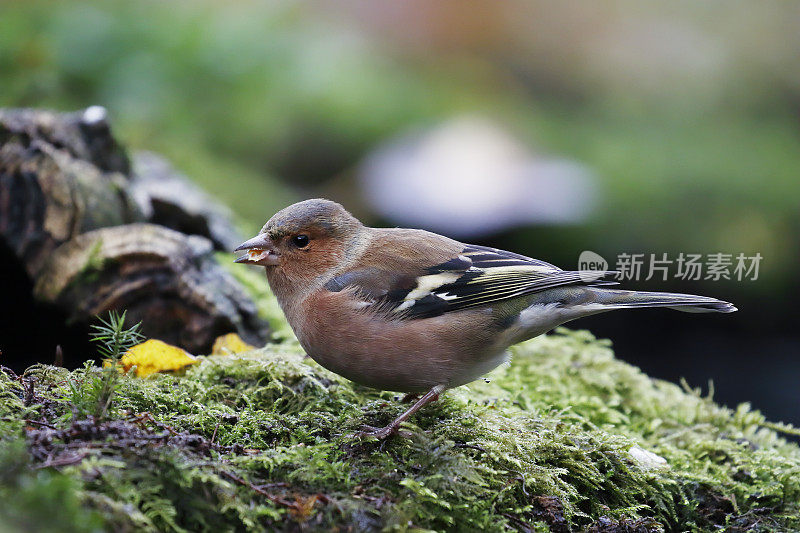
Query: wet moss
[{"x": 558, "y": 440}]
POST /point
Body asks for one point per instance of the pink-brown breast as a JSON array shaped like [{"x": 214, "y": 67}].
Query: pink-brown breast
[{"x": 409, "y": 355}]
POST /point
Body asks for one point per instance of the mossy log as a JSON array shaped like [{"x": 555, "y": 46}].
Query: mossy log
[
  {"x": 60, "y": 175},
  {"x": 165, "y": 279},
  {"x": 565, "y": 438}
]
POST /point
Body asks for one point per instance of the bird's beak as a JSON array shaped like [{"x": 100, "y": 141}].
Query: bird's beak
[{"x": 260, "y": 251}]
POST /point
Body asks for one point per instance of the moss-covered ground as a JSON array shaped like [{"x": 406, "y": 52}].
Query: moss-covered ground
[{"x": 565, "y": 438}]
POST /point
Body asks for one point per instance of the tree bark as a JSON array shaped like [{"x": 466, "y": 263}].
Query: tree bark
[
  {"x": 165, "y": 279},
  {"x": 56, "y": 182},
  {"x": 74, "y": 215}
]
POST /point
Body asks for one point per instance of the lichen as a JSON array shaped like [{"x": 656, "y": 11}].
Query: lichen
[{"x": 263, "y": 441}]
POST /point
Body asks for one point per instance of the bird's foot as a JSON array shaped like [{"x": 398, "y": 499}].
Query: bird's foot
[
  {"x": 394, "y": 427},
  {"x": 385, "y": 432}
]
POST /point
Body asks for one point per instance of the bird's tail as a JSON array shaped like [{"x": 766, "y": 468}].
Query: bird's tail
[{"x": 690, "y": 303}]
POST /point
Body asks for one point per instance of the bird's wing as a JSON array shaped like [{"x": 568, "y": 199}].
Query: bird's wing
[{"x": 477, "y": 276}]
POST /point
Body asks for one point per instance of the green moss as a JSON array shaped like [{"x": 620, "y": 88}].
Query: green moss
[
  {"x": 41, "y": 500},
  {"x": 262, "y": 441},
  {"x": 93, "y": 264}
]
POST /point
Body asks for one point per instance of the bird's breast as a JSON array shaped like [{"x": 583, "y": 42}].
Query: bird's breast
[{"x": 409, "y": 355}]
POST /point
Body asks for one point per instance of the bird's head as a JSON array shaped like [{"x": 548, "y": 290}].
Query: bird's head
[{"x": 303, "y": 241}]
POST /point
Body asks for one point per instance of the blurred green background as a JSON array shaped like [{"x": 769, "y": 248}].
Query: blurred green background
[{"x": 687, "y": 115}]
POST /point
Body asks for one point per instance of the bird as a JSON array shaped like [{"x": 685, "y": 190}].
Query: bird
[{"x": 412, "y": 311}]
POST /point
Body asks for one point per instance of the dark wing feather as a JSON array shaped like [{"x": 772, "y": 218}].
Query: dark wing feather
[
  {"x": 483, "y": 287},
  {"x": 478, "y": 276},
  {"x": 486, "y": 257}
]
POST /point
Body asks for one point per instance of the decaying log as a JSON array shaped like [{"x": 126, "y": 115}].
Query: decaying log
[
  {"x": 168, "y": 280},
  {"x": 74, "y": 214},
  {"x": 84, "y": 135},
  {"x": 169, "y": 199},
  {"x": 57, "y": 182}
]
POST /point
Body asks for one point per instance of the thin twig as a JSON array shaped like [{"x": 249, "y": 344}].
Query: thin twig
[
  {"x": 28, "y": 421},
  {"x": 470, "y": 446},
  {"x": 64, "y": 461},
  {"x": 42, "y": 424},
  {"x": 259, "y": 490},
  {"x": 214, "y": 436}
]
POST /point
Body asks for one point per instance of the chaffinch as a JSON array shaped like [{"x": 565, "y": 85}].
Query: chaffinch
[{"x": 412, "y": 311}]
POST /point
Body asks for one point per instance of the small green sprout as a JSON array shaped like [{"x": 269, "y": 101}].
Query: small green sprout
[{"x": 113, "y": 342}]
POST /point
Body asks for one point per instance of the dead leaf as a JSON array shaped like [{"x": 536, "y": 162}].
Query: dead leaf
[
  {"x": 230, "y": 344},
  {"x": 154, "y": 356},
  {"x": 303, "y": 507}
]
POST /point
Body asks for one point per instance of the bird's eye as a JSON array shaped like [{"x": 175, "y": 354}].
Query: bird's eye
[{"x": 301, "y": 241}]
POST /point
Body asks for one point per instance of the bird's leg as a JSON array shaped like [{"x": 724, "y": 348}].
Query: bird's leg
[{"x": 381, "y": 433}]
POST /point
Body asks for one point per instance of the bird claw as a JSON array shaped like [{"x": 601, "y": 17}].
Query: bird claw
[
  {"x": 394, "y": 427},
  {"x": 380, "y": 433}
]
